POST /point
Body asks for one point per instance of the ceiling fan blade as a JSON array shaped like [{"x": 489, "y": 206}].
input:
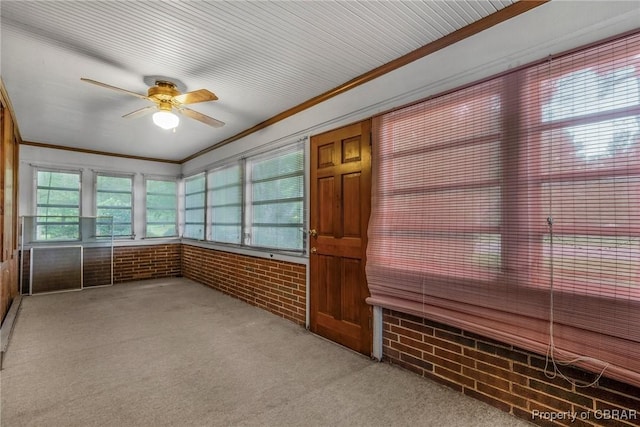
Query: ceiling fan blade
[
  {"x": 97, "y": 83},
  {"x": 200, "y": 95},
  {"x": 200, "y": 117},
  {"x": 140, "y": 112}
]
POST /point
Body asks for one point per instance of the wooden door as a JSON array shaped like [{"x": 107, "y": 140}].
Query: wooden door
[{"x": 340, "y": 206}]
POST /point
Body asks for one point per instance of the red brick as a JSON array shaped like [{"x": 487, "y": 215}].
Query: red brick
[
  {"x": 501, "y": 394},
  {"x": 485, "y": 378},
  {"x": 416, "y": 344},
  {"x": 533, "y": 395},
  {"x": 268, "y": 284},
  {"x": 454, "y": 376},
  {"x": 487, "y": 358}
]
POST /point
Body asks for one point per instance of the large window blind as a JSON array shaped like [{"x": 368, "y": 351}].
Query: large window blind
[{"x": 511, "y": 208}]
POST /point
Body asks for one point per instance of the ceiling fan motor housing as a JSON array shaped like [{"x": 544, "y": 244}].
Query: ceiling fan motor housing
[{"x": 163, "y": 91}]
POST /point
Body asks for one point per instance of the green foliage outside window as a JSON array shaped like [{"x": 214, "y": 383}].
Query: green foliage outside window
[
  {"x": 114, "y": 199},
  {"x": 57, "y": 205},
  {"x": 162, "y": 203}
]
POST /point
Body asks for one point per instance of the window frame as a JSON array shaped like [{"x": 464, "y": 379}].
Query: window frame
[
  {"x": 491, "y": 88},
  {"x": 36, "y": 187},
  {"x": 512, "y": 270},
  {"x": 192, "y": 177},
  {"x": 290, "y": 148},
  {"x": 146, "y": 203},
  {"x": 243, "y": 161},
  {"x": 211, "y": 206},
  {"x": 131, "y": 208},
  {"x": 536, "y": 125}
]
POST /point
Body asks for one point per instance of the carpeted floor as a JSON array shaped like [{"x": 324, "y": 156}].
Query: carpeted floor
[{"x": 175, "y": 353}]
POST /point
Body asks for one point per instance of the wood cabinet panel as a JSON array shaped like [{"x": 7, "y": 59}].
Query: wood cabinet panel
[{"x": 9, "y": 140}]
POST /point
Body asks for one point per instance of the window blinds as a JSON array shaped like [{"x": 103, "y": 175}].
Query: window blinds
[
  {"x": 225, "y": 196},
  {"x": 195, "y": 206},
  {"x": 511, "y": 208},
  {"x": 275, "y": 199}
]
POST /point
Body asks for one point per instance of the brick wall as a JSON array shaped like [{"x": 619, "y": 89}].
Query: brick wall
[
  {"x": 25, "y": 266},
  {"x": 504, "y": 376},
  {"x": 276, "y": 286},
  {"x": 96, "y": 266},
  {"x": 146, "y": 262}
]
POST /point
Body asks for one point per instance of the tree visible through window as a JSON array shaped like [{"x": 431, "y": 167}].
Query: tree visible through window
[
  {"x": 114, "y": 198},
  {"x": 57, "y": 205},
  {"x": 161, "y": 206},
  {"x": 589, "y": 176}
]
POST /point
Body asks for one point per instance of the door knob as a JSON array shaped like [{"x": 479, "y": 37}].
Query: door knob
[
  {"x": 313, "y": 233},
  {"x": 314, "y": 250}
]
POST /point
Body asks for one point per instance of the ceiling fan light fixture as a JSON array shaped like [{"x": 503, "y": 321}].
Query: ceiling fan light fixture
[{"x": 165, "y": 119}]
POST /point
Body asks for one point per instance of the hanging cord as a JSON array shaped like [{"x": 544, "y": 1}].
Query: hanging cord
[{"x": 551, "y": 348}]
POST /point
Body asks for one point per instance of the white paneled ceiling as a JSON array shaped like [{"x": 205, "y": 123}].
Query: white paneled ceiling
[{"x": 259, "y": 57}]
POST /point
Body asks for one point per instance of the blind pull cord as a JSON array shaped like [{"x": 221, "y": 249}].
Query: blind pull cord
[{"x": 551, "y": 348}]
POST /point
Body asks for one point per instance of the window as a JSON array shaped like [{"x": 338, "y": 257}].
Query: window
[
  {"x": 442, "y": 185},
  {"x": 114, "y": 198},
  {"x": 194, "y": 207},
  {"x": 511, "y": 208},
  {"x": 589, "y": 172},
  {"x": 225, "y": 196},
  {"x": 162, "y": 208},
  {"x": 275, "y": 192},
  {"x": 57, "y": 205},
  {"x": 256, "y": 201}
]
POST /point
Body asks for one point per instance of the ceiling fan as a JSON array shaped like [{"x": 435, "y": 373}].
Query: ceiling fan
[{"x": 167, "y": 98}]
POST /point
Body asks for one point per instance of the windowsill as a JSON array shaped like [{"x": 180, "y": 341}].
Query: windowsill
[
  {"x": 103, "y": 243},
  {"x": 296, "y": 258}
]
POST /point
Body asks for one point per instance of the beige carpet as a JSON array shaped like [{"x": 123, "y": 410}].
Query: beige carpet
[{"x": 175, "y": 353}]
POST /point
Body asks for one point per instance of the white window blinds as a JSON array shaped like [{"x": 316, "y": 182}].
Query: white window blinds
[{"x": 194, "y": 207}]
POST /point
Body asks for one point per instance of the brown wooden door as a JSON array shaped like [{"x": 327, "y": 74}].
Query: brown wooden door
[{"x": 340, "y": 206}]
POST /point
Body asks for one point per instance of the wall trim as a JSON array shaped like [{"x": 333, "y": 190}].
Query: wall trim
[
  {"x": 252, "y": 252},
  {"x": 7, "y": 326},
  {"x": 4, "y": 99},
  {"x": 100, "y": 153}
]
